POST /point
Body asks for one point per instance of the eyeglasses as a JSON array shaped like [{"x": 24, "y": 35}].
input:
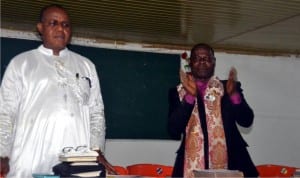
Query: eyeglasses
[
  {"x": 81, "y": 149},
  {"x": 55, "y": 23}
]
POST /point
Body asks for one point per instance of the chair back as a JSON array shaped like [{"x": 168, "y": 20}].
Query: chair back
[
  {"x": 271, "y": 170},
  {"x": 150, "y": 170},
  {"x": 121, "y": 170}
]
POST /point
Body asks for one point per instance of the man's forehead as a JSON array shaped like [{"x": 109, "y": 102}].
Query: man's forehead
[
  {"x": 202, "y": 50},
  {"x": 53, "y": 12}
]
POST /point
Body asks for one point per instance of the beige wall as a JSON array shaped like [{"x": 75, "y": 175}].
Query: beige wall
[{"x": 271, "y": 86}]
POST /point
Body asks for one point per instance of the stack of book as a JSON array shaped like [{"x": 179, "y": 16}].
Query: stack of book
[{"x": 82, "y": 164}]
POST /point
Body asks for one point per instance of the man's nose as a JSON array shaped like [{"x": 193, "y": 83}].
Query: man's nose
[
  {"x": 202, "y": 62},
  {"x": 60, "y": 26}
]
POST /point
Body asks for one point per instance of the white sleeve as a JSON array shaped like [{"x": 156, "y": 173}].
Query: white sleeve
[
  {"x": 97, "y": 118},
  {"x": 9, "y": 102}
]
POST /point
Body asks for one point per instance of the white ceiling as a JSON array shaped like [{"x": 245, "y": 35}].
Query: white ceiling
[{"x": 241, "y": 26}]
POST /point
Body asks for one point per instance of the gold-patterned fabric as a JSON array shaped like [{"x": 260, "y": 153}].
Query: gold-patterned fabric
[{"x": 194, "y": 146}]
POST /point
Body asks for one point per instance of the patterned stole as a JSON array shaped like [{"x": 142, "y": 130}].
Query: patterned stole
[{"x": 194, "y": 141}]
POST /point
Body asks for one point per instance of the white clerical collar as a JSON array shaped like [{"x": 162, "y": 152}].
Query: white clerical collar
[{"x": 49, "y": 52}]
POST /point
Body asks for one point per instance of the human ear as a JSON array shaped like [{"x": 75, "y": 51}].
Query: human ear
[{"x": 39, "y": 27}]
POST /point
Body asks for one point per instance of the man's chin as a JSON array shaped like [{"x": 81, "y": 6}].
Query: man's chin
[
  {"x": 60, "y": 47},
  {"x": 203, "y": 77}
]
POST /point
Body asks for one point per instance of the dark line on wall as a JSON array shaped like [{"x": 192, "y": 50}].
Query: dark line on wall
[{"x": 257, "y": 28}]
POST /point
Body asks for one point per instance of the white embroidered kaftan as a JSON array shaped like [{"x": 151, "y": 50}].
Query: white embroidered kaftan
[{"x": 47, "y": 103}]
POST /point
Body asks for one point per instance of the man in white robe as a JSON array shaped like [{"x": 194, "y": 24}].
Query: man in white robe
[{"x": 50, "y": 98}]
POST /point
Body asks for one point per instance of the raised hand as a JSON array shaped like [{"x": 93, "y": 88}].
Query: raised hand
[
  {"x": 188, "y": 83},
  {"x": 231, "y": 83}
]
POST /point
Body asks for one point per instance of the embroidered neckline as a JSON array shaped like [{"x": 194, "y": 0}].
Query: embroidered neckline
[{"x": 49, "y": 52}]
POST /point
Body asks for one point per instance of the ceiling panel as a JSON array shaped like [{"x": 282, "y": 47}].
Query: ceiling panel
[{"x": 243, "y": 26}]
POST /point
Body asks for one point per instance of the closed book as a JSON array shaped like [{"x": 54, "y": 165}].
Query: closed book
[
  {"x": 44, "y": 176},
  {"x": 88, "y": 174},
  {"x": 66, "y": 169},
  {"x": 78, "y": 156},
  {"x": 84, "y": 163},
  {"x": 77, "y": 159}
]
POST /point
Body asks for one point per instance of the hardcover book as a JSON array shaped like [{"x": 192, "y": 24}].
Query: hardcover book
[{"x": 78, "y": 156}]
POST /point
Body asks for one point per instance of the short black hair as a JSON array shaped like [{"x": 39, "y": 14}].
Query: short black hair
[
  {"x": 45, "y": 8},
  {"x": 203, "y": 46}
]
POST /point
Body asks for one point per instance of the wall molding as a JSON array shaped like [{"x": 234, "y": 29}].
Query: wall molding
[{"x": 92, "y": 42}]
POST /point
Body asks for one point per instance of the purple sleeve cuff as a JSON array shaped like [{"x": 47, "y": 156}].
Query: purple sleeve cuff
[
  {"x": 236, "y": 98},
  {"x": 189, "y": 99}
]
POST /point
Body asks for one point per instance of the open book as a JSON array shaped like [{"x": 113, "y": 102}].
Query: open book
[
  {"x": 218, "y": 173},
  {"x": 297, "y": 173},
  {"x": 78, "y": 156}
]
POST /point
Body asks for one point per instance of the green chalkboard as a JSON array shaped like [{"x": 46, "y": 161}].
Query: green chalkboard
[{"x": 134, "y": 86}]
